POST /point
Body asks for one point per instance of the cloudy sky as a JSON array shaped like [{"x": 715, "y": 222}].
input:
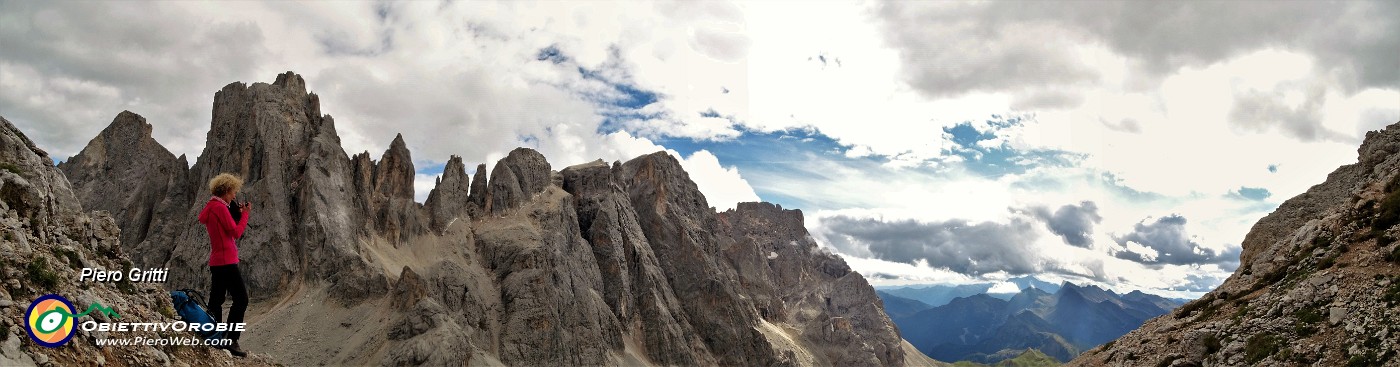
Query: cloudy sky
[{"x": 1130, "y": 144}]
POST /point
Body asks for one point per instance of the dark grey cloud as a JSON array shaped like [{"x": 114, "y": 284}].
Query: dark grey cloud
[
  {"x": 1199, "y": 283},
  {"x": 1046, "y": 98},
  {"x": 381, "y": 69},
  {"x": 1003, "y": 42},
  {"x": 951, "y": 48},
  {"x": 1073, "y": 223},
  {"x": 1260, "y": 111},
  {"x": 69, "y": 67},
  {"x": 957, "y": 245},
  {"x": 1168, "y": 237}
]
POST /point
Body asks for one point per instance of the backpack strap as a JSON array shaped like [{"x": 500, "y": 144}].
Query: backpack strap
[{"x": 193, "y": 295}]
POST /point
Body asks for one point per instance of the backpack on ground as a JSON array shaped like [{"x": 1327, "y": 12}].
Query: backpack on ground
[{"x": 191, "y": 309}]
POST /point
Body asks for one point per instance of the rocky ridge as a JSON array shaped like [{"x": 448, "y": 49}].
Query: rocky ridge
[
  {"x": 621, "y": 263},
  {"x": 48, "y": 237},
  {"x": 1318, "y": 283}
]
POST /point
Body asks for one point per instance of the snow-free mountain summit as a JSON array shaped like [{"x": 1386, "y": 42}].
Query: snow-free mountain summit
[{"x": 595, "y": 264}]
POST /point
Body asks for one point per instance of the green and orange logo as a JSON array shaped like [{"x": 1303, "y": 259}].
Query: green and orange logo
[{"x": 50, "y": 319}]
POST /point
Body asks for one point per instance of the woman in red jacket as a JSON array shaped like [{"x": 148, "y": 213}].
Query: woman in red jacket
[{"x": 218, "y": 219}]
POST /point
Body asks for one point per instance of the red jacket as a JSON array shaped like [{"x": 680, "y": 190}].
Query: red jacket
[{"x": 222, "y": 231}]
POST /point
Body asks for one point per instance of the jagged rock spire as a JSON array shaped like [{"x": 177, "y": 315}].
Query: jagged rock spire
[
  {"x": 478, "y": 191},
  {"x": 393, "y": 176},
  {"x": 450, "y": 199}
]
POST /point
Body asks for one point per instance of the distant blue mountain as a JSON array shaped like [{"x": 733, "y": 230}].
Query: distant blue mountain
[
  {"x": 1032, "y": 282},
  {"x": 1059, "y": 320},
  {"x": 938, "y": 294},
  {"x": 897, "y": 306}
]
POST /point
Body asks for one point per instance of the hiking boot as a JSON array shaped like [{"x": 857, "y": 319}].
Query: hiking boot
[{"x": 235, "y": 350}]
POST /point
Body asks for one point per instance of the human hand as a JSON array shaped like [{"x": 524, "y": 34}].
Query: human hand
[{"x": 245, "y": 207}]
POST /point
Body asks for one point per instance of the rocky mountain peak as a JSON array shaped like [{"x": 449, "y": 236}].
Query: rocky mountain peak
[
  {"x": 1318, "y": 282},
  {"x": 517, "y": 177},
  {"x": 126, "y": 149},
  {"x": 291, "y": 82},
  {"x": 128, "y": 122},
  {"x": 478, "y": 189},
  {"x": 454, "y": 172},
  {"x": 620, "y": 264},
  {"x": 591, "y": 177},
  {"x": 46, "y": 242},
  {"x": 662, "y": 182},
  {"x": 450, "y": 198},
  {"x": 393, "y": 175},
  {"x": 127, "y": 137}
]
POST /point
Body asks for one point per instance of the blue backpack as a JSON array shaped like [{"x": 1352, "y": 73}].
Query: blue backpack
[{"x": 191, "y": 310}]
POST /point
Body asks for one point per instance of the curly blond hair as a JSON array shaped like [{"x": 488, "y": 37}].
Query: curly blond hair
[{"x": 225, "y": 183}]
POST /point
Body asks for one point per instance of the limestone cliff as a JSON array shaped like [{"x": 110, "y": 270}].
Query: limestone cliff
[
  {"x": 596, "y": 264},
  {"x": 47, "y": 238}
]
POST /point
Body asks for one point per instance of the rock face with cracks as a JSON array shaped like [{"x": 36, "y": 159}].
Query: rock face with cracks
[
  {"x": 595, "y": 264},
  {"x": 46, "y": 238}
]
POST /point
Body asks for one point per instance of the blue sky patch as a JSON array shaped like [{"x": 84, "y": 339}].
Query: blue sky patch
[
  {"x": 998, "y": 160},
  {"x": 1253, "y": 193}
]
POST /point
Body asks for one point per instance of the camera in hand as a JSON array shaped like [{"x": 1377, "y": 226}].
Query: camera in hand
[{"x": 235, "y": 210}]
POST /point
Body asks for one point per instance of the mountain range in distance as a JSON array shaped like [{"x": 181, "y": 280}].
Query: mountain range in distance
[
  {"x": 969, "y": 322},
  {"x": 940, "y": 294}
]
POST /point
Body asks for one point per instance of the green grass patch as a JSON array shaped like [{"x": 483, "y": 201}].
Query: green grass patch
[
  {"x": 1389, "y": 212},
  {"x": 167, "y": 311},
  {"x": 70, "y": 256},
  {"x": 1240, "y": 313},
  {"x": 40, "y": 275},
  {"x": 1392, "y": 293},
  {"x": 1293, "y": 278},
  {"x": 1327, "y": 262},
  {"x": 1307, "y": 318},
  {"x": 1322, "y": 240},
  {"x": 10, "y": 167},
  {"x": 125, "y": 285},
  {"x": 1212, "y": 344},
  {"x": 1259, "y": 347},
  {"x": 1030, "y": 358},
  {"x": 1367, "y": 359},
  {"x": 1308, "y": 315},
  {"x": 1193, "y": 306}
]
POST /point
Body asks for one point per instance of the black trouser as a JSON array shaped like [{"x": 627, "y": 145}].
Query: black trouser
[{"x": 226, "y": 278}]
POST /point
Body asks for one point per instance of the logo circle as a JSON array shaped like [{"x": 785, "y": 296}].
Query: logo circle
[{"x": 49, "y": 320}]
